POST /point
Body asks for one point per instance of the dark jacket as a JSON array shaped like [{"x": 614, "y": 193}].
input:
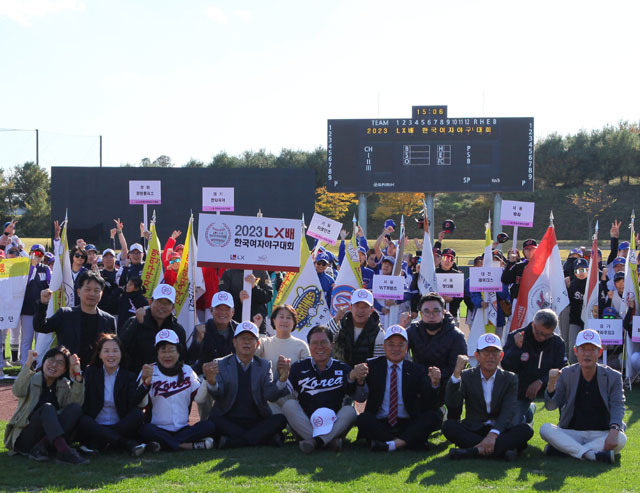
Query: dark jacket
[
  {"x": 127, "y": 306},
  {"x": 139, "y": 340},
  {"x": 454, "y": 305},
  {"x": 512, "y": 274},
  {"x": 38, "y": 281},
  {"x": 232, "y": 281},
  {"x": 358, "y": 351},
  {"x": 534, "y": 360},
  {"x": 66, "y": 323},
  {"x": 214, "y": 345},
  {"x": 111, "y": 293},
  {"x": 129, "y": 271},
  {"x": 127, "y": 394}
]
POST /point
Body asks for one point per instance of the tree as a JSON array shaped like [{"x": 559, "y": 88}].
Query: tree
[
  {"x": 6, "y": 197},
  {"x": 593, "y": 200},
  {"x": 29, "y": 180},
  {"x": 333, "y": 205},
  {"x": 193, "y": 163},
  {"x": 36, "y": 219},
  {"x": 398, "y": 204},
  {"x": 550, "y": 161},
  {"x": 160, "y": 162}
]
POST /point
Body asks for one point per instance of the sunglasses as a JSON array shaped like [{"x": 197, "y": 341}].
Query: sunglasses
[
  {"x": 581, "y": 271},
  {"x": 78, "y": 255},
  {"x": 174, "y": 261},
  {"x": 37, "y": 253}
]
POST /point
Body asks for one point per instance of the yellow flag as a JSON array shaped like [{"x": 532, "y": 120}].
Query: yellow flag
[
  {"x": 152, "y": 271},
  {"x": 182, "y": 280}
]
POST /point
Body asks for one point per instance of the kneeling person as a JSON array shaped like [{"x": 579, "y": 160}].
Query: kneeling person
[{"x": 321, "y": 383}]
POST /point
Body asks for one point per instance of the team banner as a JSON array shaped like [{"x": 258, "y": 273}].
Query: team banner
[
  {"x": 248, "y": 242},
  {"x": 349, "y": 277},
  {"x": 427, "y": 281},
  {"x": 590, "y": 295},
  {"x": 14, "y": 273},
  {"x": 61, "y": 283},
  {"x": 152, "y": 271}
]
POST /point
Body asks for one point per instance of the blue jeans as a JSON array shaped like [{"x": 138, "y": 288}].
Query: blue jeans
[{"x": 523, "y": 409}]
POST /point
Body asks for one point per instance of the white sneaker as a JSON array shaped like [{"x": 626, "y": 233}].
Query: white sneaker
[{"x": 206, "y": 444}]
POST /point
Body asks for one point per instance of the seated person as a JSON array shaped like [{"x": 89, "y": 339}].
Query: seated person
[
  {"x": 591, "y": 403},
  {"x": 321, "y": 384},
  {"x": 491, "y": 426},
  {"x": 113, "y": 401},
  {"x": 49, "y": 407},
  {"x": 399, "y": 391},
  {"x": 172, "y": 386},
  {"x": 241, "y": 384}
]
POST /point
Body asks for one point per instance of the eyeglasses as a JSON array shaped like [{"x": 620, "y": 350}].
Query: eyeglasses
[
  {"x": 174, "y": 261},
  {"x": 56, "y": 362},
  {"x": 437, "y": 311}
]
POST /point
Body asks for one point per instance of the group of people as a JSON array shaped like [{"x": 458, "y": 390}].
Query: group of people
[{"x": 127, "y": 379}]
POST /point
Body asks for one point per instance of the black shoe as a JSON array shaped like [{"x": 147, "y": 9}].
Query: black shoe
[
  {"x": 153, "y": 447},
  {"x": 70, "y": 456},
  {"x": 378, "y": 446},
  {"x": 551, "y": 451},
  {"x": 605, "y": 456},
  {"x": 276, "y": 441},
  {"x": 511, "y": 455},
  {"x": 39, "y": 453},
  {"x": 224, "y": 442},
  {"x": 335, "y": 445},
  {"x": 463, "y": 453},
  {"x": 135, "y": 449}
]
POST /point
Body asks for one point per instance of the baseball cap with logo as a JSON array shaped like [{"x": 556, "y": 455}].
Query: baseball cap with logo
[
  {"x": 618, "y": 276},
  {"x": 623, "y": 246},
  {"x": 390, "y": 222},
  {"x": 164, "y": 291},
  {"x": 529, "y": 243},
  {"x": 448, "y": 252},
  {"x": 136, "y": 247},
  {"x": 362, "y": 249},
  {"x": 246, "y": 327},
  {"x": 167, "y": 335},
  {"x": 108, "y": 251},
  {"x": 581, "y": 263},
  {"x": 576, "y": 251},
  {"x": 396, "y": 330},
  {"x": 37, "y": 248},
  {"x": 222, "y": 298},
  {"x": 489, "y": 340},
  {"x": 619, "y": 261},
  {"x": 90, "y": 248},
  {"x": 588, "y": 336},
  {"x": 322, "y": 257},
  {"x": 362, "y": 295},
  {"x": 322, "y": 421}
]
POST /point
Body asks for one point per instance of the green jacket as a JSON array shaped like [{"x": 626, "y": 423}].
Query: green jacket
[{"x": 27, "y": 389}]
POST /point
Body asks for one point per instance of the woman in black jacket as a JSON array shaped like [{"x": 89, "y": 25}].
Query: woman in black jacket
[
  {"x": 113, "y": 401},
  {"x": 131, "y": 299}
]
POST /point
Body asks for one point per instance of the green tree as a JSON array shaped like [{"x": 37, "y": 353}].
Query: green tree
[
  {"x": 193, "y": 163},
  {"x": 29, "y": 179}
]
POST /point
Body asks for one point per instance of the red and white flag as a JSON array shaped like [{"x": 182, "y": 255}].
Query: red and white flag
[
  {"x": 542, "y": 284},
  {"x": 590, "y": 298}
]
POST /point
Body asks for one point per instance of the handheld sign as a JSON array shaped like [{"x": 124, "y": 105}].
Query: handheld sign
[
  {"x": 217, "y": 199},
  {"x": 610, "y": 330},
  {"x": 451, "y": 285},
  {"x": 388, "y": 287},
  {"x": 485, "y": 279},
  {"x": 249, "y": 242},
  {"x": 324, "y": 229},
  {"x": 145, "y": 192},
  {"x": 514, "y": 213},
  {"x": 635, "y": 330}
]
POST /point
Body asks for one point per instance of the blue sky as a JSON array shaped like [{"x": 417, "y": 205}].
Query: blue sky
[{"x": 193, "y": 78}]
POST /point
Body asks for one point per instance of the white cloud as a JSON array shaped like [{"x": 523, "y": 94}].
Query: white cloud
[
  {"x": 217, "y": 15},
  {"x": 22, "y": 11}
]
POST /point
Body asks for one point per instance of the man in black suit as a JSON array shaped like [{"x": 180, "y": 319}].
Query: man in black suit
[
  {"x": 491, "y": 426},
  {"x": 399, "y": 390}
]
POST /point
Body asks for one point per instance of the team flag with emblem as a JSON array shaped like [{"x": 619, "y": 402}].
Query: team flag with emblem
[
  {"x": 152, "y": 271},
  {"x": 349, "y": 277},
  {"x": 590, "y": 298},
  {"x": 427, "y": 279},
  {"x": 631, "y": 292}
]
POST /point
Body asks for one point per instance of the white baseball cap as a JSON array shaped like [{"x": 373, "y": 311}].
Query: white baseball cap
[
  {"x": 396, "y": 330},
  {"x": 136, "y": 246},
  {"x": 246, "y": 327},
  {"x": 164, "y": 291},
  {"x": 362, "y": 295},
  {"x": 322, "y": 421},
  {"x": 588, "y": 336},
  {"x": 489, "y": 340},
  {"x": 167, "y": 335},
  {"x": 108, "y": 250},
  {"x": 222, "y": 298}
]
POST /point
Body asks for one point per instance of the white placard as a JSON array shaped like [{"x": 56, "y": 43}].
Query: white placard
[
  {"x": 145, "y": 192},
  {"x": 451, "y": 285},
  {"x": 514, "y": 213},
  {"x": 217, "y": 199},
  {"x": 485, "y": 279},
  {"x": 388, "y": 287},
  {"x": 635, "y": 330},
  {"x": 610, "y": 330},
  {"x": 249, "y": 242},
  {"x": 324, "y": 229}
]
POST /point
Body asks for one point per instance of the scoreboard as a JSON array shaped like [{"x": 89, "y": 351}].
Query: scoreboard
[{"x": 430, "y": 152}]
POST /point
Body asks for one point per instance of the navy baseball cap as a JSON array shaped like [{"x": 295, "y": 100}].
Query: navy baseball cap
[
  {"x": 529, "y": 243},
  {"x": 622, "y": 246},
  {"x": 618, "y": 276},
  {"x": 90, "y": 248},
  {"x": 449, "y": 251},
  {"x": 581, "y": 263},
  {"x": 322, "y": 257},
  {"x": 6, "y": 224},
  {"x": 576, "y": 251},
  {"x": 610, "y": 312},
  {"x": 619, "y": 260},
  {"x": 37, "y": 248}
]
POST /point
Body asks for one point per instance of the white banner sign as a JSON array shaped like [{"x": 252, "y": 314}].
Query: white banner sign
[
  {"x": 324, "y": 229},
  {"x": 248, "y": 242},
  {"x": 514, "y": 213},
  {"x": 145, "y": 192},
  {"x": 388, "y": 287},
  {"x": 13, "y": 282},
  {"x": 635, "y": 331},
  {"x": 451, "y": 285},
  {"x": 485, "y": 279},
  {"x": 610, "y": 330},
  {"x": 217, "y": 199}
]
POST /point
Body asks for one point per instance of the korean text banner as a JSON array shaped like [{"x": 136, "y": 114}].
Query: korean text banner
[{"x": 247, "y": 242}]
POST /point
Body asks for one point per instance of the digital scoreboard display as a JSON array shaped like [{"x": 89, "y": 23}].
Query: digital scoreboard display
[{"x": 430, "y": 152}]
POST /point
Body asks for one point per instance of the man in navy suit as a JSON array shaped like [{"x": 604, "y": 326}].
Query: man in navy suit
[
  {"x": 241, "y": 385},
  {"x": 399, "y": 392}
]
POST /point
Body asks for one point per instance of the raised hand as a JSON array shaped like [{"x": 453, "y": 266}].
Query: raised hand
[{"x": 147, "y": 374}]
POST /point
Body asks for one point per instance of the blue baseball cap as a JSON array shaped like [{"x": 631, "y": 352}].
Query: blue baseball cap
[
  {"x": 362, "y": 249},
  {"x": 322, "y": 257},
  {"x": 576, "y": 251},
  {"x": 622, "y": 246},
  {"x": 609, "y": 312},
  {"x": 581, "y": 263},
  {"x": 37, "y": 248},
  {"x": 389, "y": 258},
  {"x": 390, "y": 222},
  {"x": 90, "y": 248},
  {"x": 619, "y": 260}
]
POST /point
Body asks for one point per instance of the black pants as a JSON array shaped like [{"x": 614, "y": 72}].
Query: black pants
[
  {"x": 171, "y": 440},
  {"x": 512, "y": 438},
  {"x": 99, "y": 436},
  {"x": 243, "y": 431},
  {"x": 414, "y": 431},
  {"x": 45, "y": 421}
]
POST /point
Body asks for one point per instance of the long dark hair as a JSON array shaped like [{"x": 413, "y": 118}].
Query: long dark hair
[
  {"x": 52, "y": 353},
  {"x": 95, "y": 358}
]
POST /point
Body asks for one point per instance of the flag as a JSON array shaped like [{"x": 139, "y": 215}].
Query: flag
[
  {"x": 427, "y": 280},
  {"x": 631, "y": 293},
  {"x": 152, "y": 271},
  {"x": 189, "y": 284},
  {"x": 303, "y": 292},
  {"x": 14, "y": 274},
  {"x": 590, "y": 296},
  {"x": 542, "y": 284},
  {"x": 349, "y": 277}
]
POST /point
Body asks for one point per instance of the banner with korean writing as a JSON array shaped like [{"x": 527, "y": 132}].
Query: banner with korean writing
[
  {"x": 248, "y": 242},
  {"x": 610, "y": 330},
  {"x": 145, "y": 192},
  {"x": 218, "y": 199},
  {"x": 451, "y": 285},
  {"x": 388, "y": 287},
  {"x": 485, "y": 279},
  {"x": 514, "y": 213},
  {"x": 635, "y": 334},
  {"x": 13, "y": 282},
  {"x": 152, "y": 270},
  {"x": 324, "y": 229}
]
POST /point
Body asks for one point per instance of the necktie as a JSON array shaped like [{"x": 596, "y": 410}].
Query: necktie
[{"x": 393, "y": 396}]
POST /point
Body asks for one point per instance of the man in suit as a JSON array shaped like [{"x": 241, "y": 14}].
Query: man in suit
[
  {"x": 591, "y": 403},
  {"x": 399, "y": 390},
  {"x": 491, "y": 426},
  {"x": 241, "y": 385}
]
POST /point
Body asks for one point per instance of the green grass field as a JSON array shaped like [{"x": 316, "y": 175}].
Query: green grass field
[{"x": 354, "y": 469}]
